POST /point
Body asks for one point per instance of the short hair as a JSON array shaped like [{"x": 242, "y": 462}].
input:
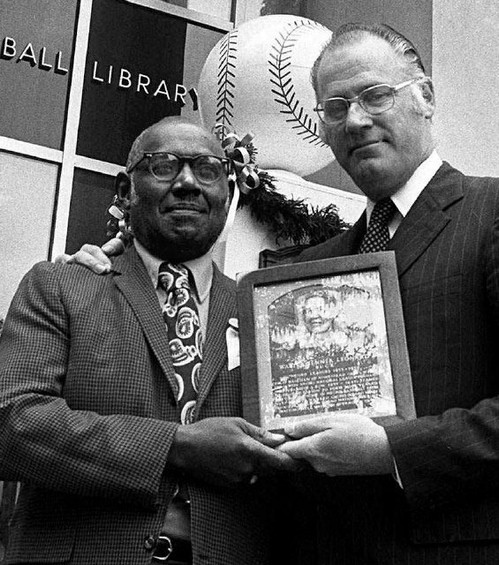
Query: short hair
[
  {"x": 136, "y": 150},
  {"x": 353, "y": 32}
]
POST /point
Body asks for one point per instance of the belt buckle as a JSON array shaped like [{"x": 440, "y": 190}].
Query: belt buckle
[{"x": 166, "y": 545}]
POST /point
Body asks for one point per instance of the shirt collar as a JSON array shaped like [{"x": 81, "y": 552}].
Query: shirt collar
[
  {"x": 405, "y": 196},
  {"x": 201, "y": 270}
]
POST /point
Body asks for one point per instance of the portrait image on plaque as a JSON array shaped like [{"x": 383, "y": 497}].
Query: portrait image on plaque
[{"x": 321, "y": 337}]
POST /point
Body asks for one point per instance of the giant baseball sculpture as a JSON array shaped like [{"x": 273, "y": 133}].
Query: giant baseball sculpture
[{"x": 257, "y": 79}]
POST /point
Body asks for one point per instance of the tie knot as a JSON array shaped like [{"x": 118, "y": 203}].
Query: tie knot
[
  {"x": 172, "y": 277},
  {"x": 383, "y": 211}
]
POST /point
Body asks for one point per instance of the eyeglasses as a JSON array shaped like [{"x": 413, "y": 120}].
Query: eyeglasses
[
  {"x": 166, "y": 166},
  {"x": 374, "y": 100}
]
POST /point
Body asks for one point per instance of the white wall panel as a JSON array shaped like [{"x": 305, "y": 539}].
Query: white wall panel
[{"x": 27, "y": 190}]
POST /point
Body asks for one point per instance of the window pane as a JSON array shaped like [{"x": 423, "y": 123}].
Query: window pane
[
  {"x": 26, "y": 207},
  {"x": 92, "y": 194},
  {"x": 142, "y": 65},
  {"x": 217, "y": 8}
]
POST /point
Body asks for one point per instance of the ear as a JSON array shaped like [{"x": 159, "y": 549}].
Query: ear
[
  {"x": 322, "y": 132},
  {"x": 428, "y": 95},
  {"x": 122, "y": 186}
]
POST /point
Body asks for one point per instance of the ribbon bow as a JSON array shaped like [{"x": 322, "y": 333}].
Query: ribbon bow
[
  {"x": 241, "y": 153},
  {"x": 119, "y": 223}
]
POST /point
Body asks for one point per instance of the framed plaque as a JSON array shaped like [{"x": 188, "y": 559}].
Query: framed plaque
[{"x": 321, "y": 337}]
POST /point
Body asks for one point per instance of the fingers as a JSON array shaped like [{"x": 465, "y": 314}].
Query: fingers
[
  {"x": 265, "y": 455},
  {"x": 228, "y": 451},
  {"x": 268, "y": 460},
  {"x": 306, "y": 428},
  {"x": 313, "y": 426},
  {"x": 265, "y": 437},
  {"x": 298, "y": 449},
  {"x": 310, "y": 451},
  {"x": 277, "y": 459},
  {"x": 94, "y": 259},
  {"x": 90, "y": 256},
  {"x": 113, "y": 247},
  {"x": 62, "y": 258}
]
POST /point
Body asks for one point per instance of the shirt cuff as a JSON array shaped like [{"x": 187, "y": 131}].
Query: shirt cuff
[{"x": 396, "y": 475}]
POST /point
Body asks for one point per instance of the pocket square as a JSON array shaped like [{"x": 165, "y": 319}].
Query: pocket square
[{"x": 232, "y": 337}]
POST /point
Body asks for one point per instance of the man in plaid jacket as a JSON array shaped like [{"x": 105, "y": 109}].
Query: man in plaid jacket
[{"x": 89, "y": 407}]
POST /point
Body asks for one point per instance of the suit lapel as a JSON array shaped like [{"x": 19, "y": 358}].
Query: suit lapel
[
  {"x": 222, "y": 307},
  {"x": 426, "y": 218},
  {"x": 135, "y": 285},
  {"x": 351, "y": 239}
]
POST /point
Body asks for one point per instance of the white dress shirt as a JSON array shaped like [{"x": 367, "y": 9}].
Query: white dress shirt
[
  {"x": 405, "y": 197},
  {"x": 201, "y": 270}
]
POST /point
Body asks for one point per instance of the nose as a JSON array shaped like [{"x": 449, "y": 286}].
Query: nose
[
  {"x": 185, "y": 180},
  {"x": 357, "y": 117}
]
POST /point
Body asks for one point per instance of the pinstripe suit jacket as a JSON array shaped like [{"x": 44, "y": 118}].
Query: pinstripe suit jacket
[
  {"x": 447, "y": 253},
  {"x": 87, "y": 414}
]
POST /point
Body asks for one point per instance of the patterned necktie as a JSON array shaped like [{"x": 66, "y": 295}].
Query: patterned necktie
[
  {"x": 180, "y": 314},
  {"x": 377, "y": 235}
]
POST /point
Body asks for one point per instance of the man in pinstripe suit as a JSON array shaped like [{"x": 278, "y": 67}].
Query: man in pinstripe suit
[
  {"x": 424, "y": 491},
  {"x": 89, "y": 400}
]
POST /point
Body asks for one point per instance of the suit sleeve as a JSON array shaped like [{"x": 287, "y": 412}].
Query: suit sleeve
[
  {"x": 46, "y": 443},
  {"x": 453, "y": 457}
]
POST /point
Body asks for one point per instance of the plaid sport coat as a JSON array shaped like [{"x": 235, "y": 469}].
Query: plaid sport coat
[
  {"x": 88, "y": 414},
  {"x": 447, "y": 254}
]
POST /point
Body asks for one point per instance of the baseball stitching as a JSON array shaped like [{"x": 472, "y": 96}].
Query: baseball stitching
[
  {"x": 225, "y": 79},
  {"x": 285, "y": 95}
]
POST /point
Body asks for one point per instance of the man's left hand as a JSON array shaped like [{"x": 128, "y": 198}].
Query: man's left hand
[
  {"x": 340, "y": 444},
  {"x": 94, "y": 257}
]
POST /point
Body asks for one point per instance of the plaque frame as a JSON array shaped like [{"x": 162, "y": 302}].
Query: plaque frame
[{"x": 368, "y": 283}]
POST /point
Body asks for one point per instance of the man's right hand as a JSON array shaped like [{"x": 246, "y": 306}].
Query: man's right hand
[
  {"x": 228, "y": 451},
  {"x": 94, "y": 257}
]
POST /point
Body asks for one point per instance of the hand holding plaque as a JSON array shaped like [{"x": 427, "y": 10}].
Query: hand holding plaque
[{"x": 340, "y": 444}]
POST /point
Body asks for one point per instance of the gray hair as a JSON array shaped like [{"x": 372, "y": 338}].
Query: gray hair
[
  {"x": 352, "y": 32},
  {"x": 136, "y": 150}
]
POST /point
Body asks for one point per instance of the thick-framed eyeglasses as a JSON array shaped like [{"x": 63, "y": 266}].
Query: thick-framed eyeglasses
[
  {"x": 166, "y": 166},
  {"x": 374, "y": 100}
]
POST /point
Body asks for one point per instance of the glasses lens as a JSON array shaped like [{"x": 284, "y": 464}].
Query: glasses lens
[
  {"x": 208, "y": 168},
  {"x": 164, "y": 166},
  {"x": 377, "y": 99},
  {"x": 334, "y": 110}
]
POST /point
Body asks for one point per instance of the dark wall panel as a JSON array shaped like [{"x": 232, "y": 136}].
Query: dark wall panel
[
  {"x": 134, "y": 65},
  {"x": 92, "y": 194}
]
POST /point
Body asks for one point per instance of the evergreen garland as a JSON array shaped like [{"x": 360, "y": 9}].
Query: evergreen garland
[{"x": 289, "y": 218}]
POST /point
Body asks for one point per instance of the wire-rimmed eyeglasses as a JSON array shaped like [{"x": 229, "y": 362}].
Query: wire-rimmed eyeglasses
[
  {"x": 374, "y": 100},
  {"x": 166, "y": 166}
]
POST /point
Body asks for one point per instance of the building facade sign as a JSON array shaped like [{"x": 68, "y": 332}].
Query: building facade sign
[
  {"x": 36, "y": 50},
  {"x": 134, "y": 76},
  {"x": 124, "y": 79},
  {"x": 41, "y": 59}
]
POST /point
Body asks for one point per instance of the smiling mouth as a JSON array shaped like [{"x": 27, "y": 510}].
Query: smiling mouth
[{"x": 183, "y": 209}]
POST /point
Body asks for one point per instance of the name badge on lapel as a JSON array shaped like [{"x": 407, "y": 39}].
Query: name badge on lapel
[{"x": 232, "y": 337}]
